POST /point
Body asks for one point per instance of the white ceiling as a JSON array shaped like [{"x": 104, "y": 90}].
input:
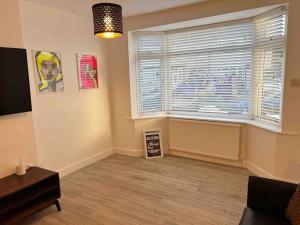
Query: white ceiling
[
  {"x": 245, "y": 14},
  {"x": 130, "y": 7}
]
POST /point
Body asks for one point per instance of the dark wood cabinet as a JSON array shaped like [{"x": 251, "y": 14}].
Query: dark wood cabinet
[{"x": 22, "y": 196}]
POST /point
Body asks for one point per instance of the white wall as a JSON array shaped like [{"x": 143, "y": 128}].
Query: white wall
[
  {"x": 72, "y": 128},
  {"x": 17, "y": 139},
  {"x": 261, "y": 150}
]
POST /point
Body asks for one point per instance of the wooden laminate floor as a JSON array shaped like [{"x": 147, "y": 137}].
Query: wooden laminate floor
[{"x": 122, "y": 190}]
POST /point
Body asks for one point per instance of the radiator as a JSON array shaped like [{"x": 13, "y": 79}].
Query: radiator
[{"x": 214, "y": 139}]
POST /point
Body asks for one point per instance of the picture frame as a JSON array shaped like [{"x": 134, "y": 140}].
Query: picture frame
[
  {"x": 48, "y": 71},
  {"x": 87, "y": 71},
  {"x": 153, "y": 145}
]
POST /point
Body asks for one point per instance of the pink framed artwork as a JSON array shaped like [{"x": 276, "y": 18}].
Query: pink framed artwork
[{"x": 87, "y": 71}]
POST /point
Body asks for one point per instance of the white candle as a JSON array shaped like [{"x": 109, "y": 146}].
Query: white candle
[{"x": 21, "y": 169}]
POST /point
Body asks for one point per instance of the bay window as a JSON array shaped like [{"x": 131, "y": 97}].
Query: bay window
[{"x": 233, "y": 71}]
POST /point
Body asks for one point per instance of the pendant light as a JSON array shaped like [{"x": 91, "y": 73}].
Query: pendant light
[{"x": 107, "y": 20}]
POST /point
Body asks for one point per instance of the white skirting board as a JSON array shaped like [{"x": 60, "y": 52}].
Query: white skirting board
[
  {"x": 181, "y": 153},
  {"x": 130, "y": 152},
  {"x": 205, "y": 157},
  {"x": 85, "y": 162},
  {"x": 262, "y": 173},
  {"x": 134, "y": 152},
  {"x": 257, "y": 170}
]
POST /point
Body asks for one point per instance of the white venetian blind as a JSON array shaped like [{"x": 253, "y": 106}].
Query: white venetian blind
[
  {"x": 234, "y": 71},
  {"x": 150, "y": 69},
  {"x": 268, "y": 69},
  {"x": 210, "y": 71}
]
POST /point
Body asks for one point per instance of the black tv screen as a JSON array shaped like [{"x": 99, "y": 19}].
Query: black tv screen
[{"x": 14, "y": 81}]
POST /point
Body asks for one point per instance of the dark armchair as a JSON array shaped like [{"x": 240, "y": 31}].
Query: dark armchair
[{"x": 267, "y": 201}]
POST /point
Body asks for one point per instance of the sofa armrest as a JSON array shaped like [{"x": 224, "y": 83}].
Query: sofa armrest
[{"x": 270, "y": 196}]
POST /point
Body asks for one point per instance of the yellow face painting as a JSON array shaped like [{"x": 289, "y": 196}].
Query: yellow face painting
[{"x": 48, "y": 66}]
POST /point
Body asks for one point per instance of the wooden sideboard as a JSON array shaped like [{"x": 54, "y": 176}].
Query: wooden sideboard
[{"x": 22, "y": 196}]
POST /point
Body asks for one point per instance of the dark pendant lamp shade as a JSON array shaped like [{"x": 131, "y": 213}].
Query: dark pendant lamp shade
[{"x": 107, "y": 20}]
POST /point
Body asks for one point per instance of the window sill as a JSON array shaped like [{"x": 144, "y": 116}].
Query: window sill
[
  {"x": 255, "y": 123},
  {"x": 148, "y": 117}
]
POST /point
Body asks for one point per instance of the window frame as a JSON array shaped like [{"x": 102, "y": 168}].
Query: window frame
[
  {"x": 277, "y": 11},
  {"x": 133, "y": 68},
  {"x": 246, "y": 119}
]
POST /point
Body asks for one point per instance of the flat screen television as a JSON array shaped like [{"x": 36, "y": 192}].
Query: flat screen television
[{"x": 14, "y": 81}]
